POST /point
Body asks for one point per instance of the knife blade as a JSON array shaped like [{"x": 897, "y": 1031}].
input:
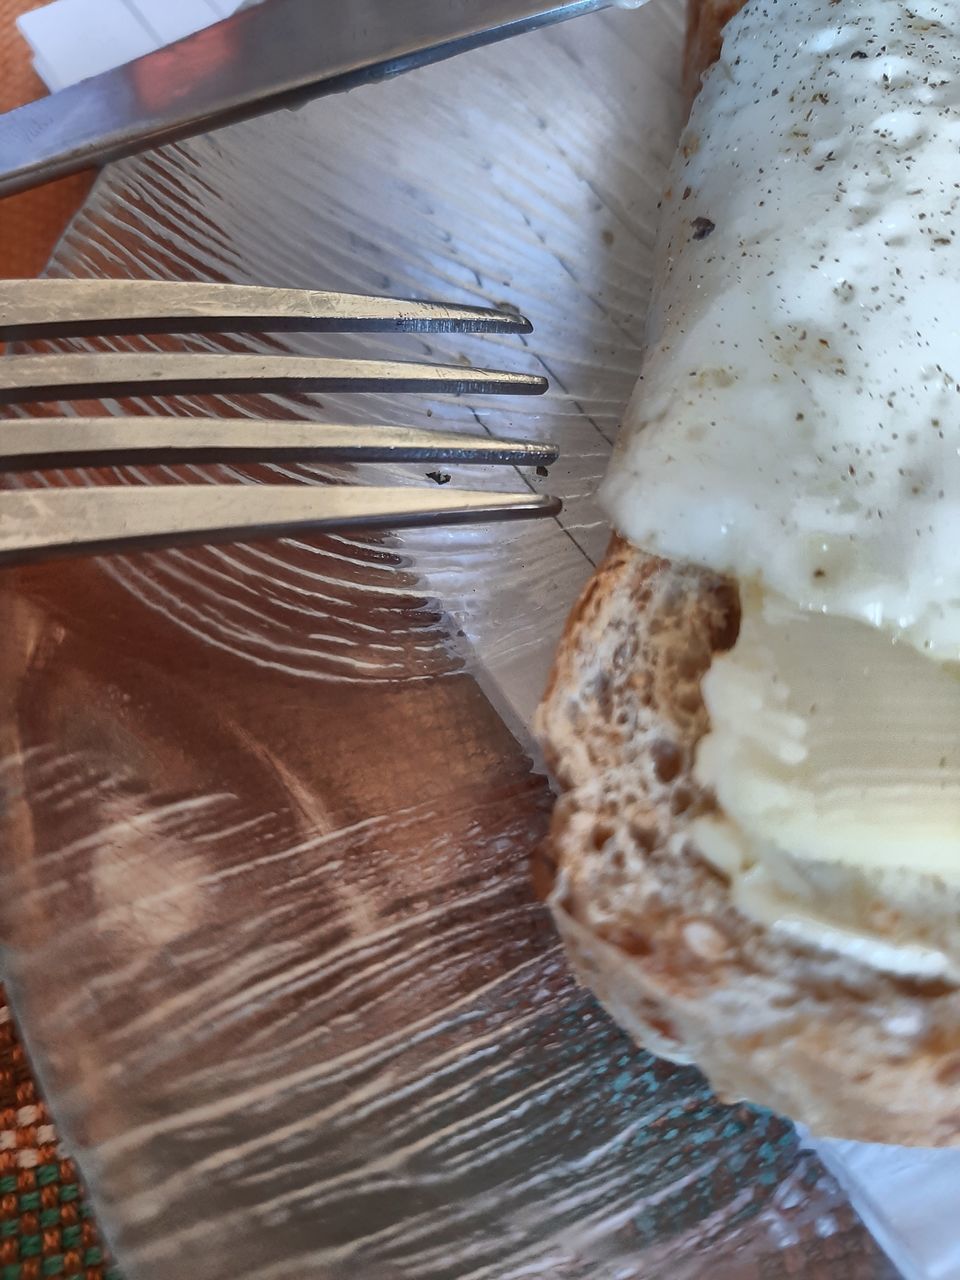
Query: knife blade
[{"x": 278, "y": 54}]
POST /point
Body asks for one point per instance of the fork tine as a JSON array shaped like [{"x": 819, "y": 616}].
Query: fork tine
[
  {"x": 36, "y": 524},
  {"x": 61, "y": 376},
  {"x": 48, "y": 308},
  {"x": 44, "y": 443}
]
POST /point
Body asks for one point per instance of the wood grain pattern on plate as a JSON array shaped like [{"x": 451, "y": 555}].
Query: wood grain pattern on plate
[{"x": 287, "y": 862}]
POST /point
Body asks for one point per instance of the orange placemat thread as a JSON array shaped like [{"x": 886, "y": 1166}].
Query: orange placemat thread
[
  {"x": 46, "y": 1230},
  {"x": 31, "y": 223}
]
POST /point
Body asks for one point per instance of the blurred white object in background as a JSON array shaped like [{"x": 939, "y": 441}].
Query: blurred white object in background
[
  {"x": 907, "y": 1197},
  {"x": 59, "y": 34}
]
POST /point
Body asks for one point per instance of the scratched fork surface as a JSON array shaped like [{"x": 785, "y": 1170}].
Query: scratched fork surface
[{"x": 263, "y": 877}]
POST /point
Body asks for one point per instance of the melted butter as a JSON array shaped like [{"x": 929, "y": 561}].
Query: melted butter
[
  {"x": 828, "y": 740},
  {"x": 798, "y": 418},
  {"x": 830, "y": 744}
]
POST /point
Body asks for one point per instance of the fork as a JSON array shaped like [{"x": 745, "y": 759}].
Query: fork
[{"x": 36, "y": 523}]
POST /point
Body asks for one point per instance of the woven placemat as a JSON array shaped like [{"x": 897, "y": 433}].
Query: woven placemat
[{"x": 45, "y": 1224}]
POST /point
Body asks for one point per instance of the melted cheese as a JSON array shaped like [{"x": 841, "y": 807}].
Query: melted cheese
[
  {"x": 797, "y": 426},
  {"x": 798, "y": 419}
]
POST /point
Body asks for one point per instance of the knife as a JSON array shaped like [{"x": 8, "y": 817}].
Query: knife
[{"x": 278, "y": 54}]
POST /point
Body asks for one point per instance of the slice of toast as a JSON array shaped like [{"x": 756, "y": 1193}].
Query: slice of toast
[{"x": 847, "y": 1048}]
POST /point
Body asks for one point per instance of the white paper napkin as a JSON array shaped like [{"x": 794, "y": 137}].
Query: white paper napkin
[
  {"x": 72, "y": 40},
  {"x": 908, "y": 1198}
]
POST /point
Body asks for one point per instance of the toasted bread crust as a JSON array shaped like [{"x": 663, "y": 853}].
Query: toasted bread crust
[
  {"x": 651, "y": 927},
  {"x": 706, "y": 20}
]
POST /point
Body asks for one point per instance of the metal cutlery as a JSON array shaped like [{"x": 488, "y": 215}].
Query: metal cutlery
[
  {"x": 279, "y": 54},
  {"x": 41, "y": 521}
]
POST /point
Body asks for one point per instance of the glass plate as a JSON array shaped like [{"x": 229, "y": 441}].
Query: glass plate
[{"x": 269, "y": 808}]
